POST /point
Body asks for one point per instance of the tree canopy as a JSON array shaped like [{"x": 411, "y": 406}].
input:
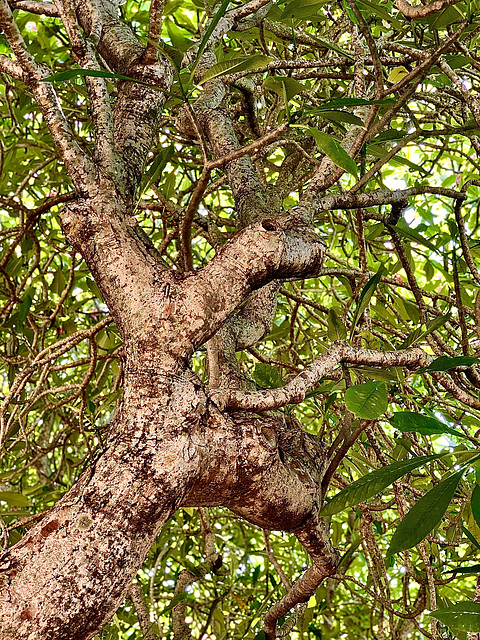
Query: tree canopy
[{"x": 231, "y": 138}]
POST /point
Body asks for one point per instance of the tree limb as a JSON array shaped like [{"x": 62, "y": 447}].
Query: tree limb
[
  {"x": 413, "y": 13},
  {"x": 295, "y": 390},
  {"x": 39, "y": 8}
]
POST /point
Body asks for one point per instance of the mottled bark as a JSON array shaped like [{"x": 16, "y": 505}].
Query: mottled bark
[{"x": 170, "y": 444}]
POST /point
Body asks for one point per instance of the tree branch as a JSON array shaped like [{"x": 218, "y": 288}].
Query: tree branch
[
  {"x": 264, "y": 251},
  {"x": 422, "y": 12},
  {"x": 295, "y": 390},
  {"x": 154, "y": 31},
  {"x": 38, "y": 8},
  {"x": 79, "y": 168}
]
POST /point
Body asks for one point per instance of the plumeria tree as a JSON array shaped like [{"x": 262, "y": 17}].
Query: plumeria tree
[{"x": 240, "y": 319}]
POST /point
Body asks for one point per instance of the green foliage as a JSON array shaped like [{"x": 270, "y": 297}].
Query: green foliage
[
  {"x": 367, "y": 400},
  {"x": 463, "y": 616},
  {"x": 425, "y": 515},
  {"x": 372, "y": 484},
  {"x": 334, "y": 151}
]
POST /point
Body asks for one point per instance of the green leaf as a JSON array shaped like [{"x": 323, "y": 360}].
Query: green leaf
[
  {"x": 462, "y": 616},
  {"x": 342, "y": 116},
  {"x": 365, "y": 297},
  {"x": 235, "y": 65},
  {"x": 352, "y": 102},
  {"x": 367, "y": 400},
  {"x": 474, "y": 568},
  {"x": 302, "y": 9},
  {"x": 155, "y": 170},
  {"x": 24, "y": 308},
  {"x": 382, "y": 13},
  {"x": 475, "y": 504},
  {"x": 336, "y": 329},
  {"x": 471, "y": 537},
  {"x": 286, "y": 88},
  {"x": 413, "y": 235},
  {"x": 69, "y": 74},
  {"x": 425, "y": 515},
  {"x": 92, "y": 285},
  {"x": 427, "y": 426},
  {"x": 444, "y": 363},
  {"x": 174, "y": 601},
  {"x": 425, "y": 330},
  {"x": 373, "y": 483},
  {"x": 211, "y": 27},
  {"x": 396, "y": 74},
  {"x": 266, "y": 376},
  {"x": 261, "y": 635},
  {"x": 15, "y": 499},
  {"x": 334, "y": 151},
  {"x": 58, "y": 284}
]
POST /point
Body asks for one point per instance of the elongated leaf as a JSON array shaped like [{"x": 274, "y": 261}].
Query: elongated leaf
[
  {"x": 352, "y": 102},
  {"x": 334, "y": 151},
  {"x": 474, "y": 568},
  {"x": 63, "y": 76},
  {"x": 365, "y": 297},
  {"x": 286, "y": 88},
  {"x": 425, "y": 330},
  {"x": 211, "y": 27},
  {"x": 471, "y": 537},
  {"x": 266, "y": 376},
  {"x": 235, "y": 65},
  {"x": 373, "y": 483},
  {"x": 462, "y": 616},
  {"x": 15, "y": 499},
  {"x": 342, "y": 116},
  {"x": 444, "y": 363},
  {"x": 413, "y": 235},
  {"x": 384, "y": 14},
  {"x": 475, "y": 504},
  {"x": 424, "y": 515},
  {"x": 368, "y": 400},
  {"x": 24, "y": 308},
  {"x": 156, "y": 168},
  {"x": 396, "y": 74},
  {"x": 302, "y": 9},
  {"x": 174, "y": 601},
  {"x": 410, "y": 421},
  {"x": 336, "y": 329}
]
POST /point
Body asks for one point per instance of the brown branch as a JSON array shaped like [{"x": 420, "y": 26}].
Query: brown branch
[
  {"x": 154, "y": 31},
  {"x": 38, "y": 8},
  {"x": 135, "y": 594},
  {"x": 422, "y": 12},
  {"x": 463, "y": 239},
  {"x": 295, "y": 390},
  {"x": 353, "y": 200},
  {"x": 301, "y": 591},
  {"x": 271, "y": 556},
  {"x": 249, "y": 148},
  {"x": 79, "y": 168},
  {"x": 377, "y": 65}
]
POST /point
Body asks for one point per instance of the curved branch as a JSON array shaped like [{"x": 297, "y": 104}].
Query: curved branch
[
  {"x": 38, "y": 8},
  {"x": 264, "y": 251},
  {"x": 78, "y": 166},
  {"x": 422, "y": 12},
  {"x": 295, "y": 390}
]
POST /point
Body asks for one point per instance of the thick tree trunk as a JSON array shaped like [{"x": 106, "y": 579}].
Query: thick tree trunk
[{"x": 170, "y": 446}]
